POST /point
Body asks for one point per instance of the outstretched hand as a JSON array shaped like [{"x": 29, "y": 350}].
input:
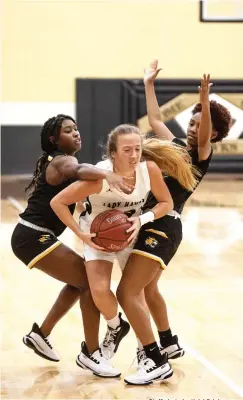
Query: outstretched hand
[
  {"x": 204, "y": 89},
  {"x": 151, "y": 73}
]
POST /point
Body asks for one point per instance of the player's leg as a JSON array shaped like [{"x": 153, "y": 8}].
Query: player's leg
[
  {"x": 67, "y": 266},
  {"x": 99, "y": 276},
  {"x": 136, "y": 276},
  {"x": 158, "y": 310},
  {"x": 159, "y": 245},
  {"x": 68, "y": 296}
]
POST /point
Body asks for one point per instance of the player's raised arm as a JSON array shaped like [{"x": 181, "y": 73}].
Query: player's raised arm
[
  {"x": 153, "y": 111},
  {"x": 205, "y": 128}
]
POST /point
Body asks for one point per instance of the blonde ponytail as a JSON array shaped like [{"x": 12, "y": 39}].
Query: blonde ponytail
[{"x": 173, "y": 160}]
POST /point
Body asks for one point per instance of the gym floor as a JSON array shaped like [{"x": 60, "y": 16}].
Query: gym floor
[{"x": 203, "y": 287}]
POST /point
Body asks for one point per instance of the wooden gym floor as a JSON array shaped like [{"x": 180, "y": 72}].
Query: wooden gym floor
[{"x": 203, "y": 287}]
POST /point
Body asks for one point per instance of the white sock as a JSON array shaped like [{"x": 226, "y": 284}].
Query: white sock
[
  {"x": 114, "y": 322},
  {"x": 140, "y": 346}
]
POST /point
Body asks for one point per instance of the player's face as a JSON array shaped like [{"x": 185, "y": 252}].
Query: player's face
[
  {"x": 129, "y": 151},
  {"x": 69, "y": 139},
  {"x": 193, "y": 128}
]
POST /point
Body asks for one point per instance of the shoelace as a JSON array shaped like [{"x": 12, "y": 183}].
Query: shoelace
[
  {"x": 110, "y": 337},
  {"x": 141, "y": 355},
  {"x": 47, "y": 342},
  {"x": 96, "y": 360},
  {"x": 148, "y": 364}
]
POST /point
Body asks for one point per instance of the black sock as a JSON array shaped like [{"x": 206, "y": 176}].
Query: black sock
[
  {"x": 165, "y": 337},
  {"x": 152, "y": 351}
]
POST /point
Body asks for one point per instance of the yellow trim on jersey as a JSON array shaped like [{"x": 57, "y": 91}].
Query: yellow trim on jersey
[
  {"x": 157, "y": 232},
  {"x": 148, "y": 255},
  {"x": 43, "y": 254}
]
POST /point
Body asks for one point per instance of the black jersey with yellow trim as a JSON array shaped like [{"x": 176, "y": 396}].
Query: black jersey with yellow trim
[
  {"x": 178, "y": 193},
  {"x": 38, "y": 210}
]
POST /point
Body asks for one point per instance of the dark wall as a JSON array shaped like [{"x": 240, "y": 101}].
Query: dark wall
[
  {"x": 101, "y": 104},
  {"x": 20, "y": 148}
]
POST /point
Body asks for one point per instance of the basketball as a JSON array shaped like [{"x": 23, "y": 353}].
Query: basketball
[{"x": 110, "y": 227}]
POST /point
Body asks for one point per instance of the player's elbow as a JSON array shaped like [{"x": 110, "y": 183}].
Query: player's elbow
[
  {"x": 154, "y": 119},
  {"x": 54, "y": 204},
  {"x": 170, "y": 203}
]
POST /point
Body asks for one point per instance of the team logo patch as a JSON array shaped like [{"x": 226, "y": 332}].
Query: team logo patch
[
  {"x": 151, "y": 242},
  {"x": 44, "y": 238}
]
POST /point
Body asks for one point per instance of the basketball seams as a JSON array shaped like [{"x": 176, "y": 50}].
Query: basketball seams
[{"x": 115, "y": 228}]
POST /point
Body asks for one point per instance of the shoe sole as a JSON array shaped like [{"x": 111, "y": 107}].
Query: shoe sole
[
  {"x": 165, "y": 376},
  {"x": 138, "y": 384},
  {"x": 176, "y": 354},
  {"x": 83, "y": 366},
  {"x": 161, "y": 377},
  {"x": 29, "y": 344}
]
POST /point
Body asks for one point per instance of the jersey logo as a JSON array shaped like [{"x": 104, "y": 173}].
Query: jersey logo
[
  {"x": 151, "y": 242},
  {"x": 44, "y": 238}
]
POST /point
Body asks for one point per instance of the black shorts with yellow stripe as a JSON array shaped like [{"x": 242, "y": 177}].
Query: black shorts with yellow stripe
[
  {"x": 159, "y": 240},
  {"x": 30, "y": 245}
]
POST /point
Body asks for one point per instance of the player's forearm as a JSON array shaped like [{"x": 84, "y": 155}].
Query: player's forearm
[
  {"x": 88, "y": 172},
  {"x": 154, "y": 115},
  {"x": 63, "y": 213},
  {"x": 162, "y": 208},
  {"x": 153, "y": 110},
  {"x": 205, "y": 128}
]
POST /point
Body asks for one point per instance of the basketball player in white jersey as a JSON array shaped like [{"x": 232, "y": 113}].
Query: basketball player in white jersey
[{"x": 124, "y": 149}]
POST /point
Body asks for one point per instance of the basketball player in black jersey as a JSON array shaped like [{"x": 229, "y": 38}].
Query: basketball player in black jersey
[
  {"x": 158, "y": 241},
  {"x": 35, "y": 242}
]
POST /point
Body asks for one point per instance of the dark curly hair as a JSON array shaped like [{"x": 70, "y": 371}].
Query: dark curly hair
[
  {"x": 221, "y": 119},
  {"x": 50, "y": 129}
]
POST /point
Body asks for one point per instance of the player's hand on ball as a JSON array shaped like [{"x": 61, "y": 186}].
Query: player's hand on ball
[
  {"x": 117, "y": 182},
  {"x": 151, "y": 72},
  {"x": 87, "y": 239},
  {"x": 136, "y": 225}
]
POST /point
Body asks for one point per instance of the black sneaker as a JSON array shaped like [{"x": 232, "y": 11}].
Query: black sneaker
[
  {"x": 113, "y": 338},
  {"x": 173, "y": 349},
  {"x": 41, "y": 345}
]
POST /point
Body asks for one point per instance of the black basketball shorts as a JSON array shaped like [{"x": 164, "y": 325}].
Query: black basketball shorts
[
  {"x": 30, "y": 245},
  {"x": 159, "y": 240}
]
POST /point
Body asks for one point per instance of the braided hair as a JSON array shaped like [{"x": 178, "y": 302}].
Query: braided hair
[{"x": 50, "y": 133}]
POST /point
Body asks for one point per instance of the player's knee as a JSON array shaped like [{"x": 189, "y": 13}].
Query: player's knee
[
  {"x": 83, "y": 289},
  {"x": 100, "y": 291},
  {"x": 82, "y": 284},
  {"x": 151, "y": 293},
  {"x": 123, "y": 294}
]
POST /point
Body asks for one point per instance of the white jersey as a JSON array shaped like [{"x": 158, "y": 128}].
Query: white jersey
[{"x": 108, "y": 199}]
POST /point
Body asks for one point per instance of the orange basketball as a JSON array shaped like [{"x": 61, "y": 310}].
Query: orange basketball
[{"x": 110, "y": 227}]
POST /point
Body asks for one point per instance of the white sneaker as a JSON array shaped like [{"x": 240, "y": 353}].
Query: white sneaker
[
  {"x": 174, "y": 350},
  {"x": 41, "y": 345},
  {"x": 96, "y": 362},
  {"x": 113, "y": 338},
  {"x": 148, "y": 371}
]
